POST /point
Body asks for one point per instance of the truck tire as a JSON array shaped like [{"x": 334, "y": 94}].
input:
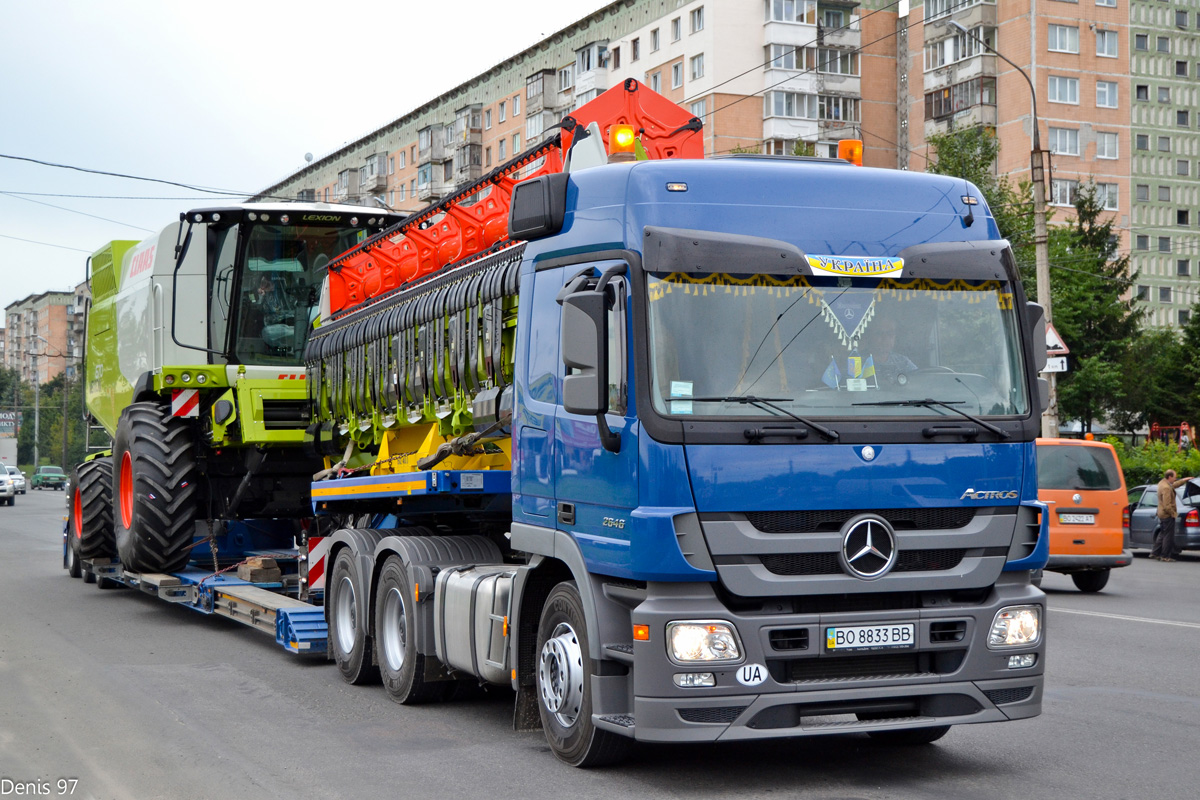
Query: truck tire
[
  {"x": 154, "y": 489},
  {"x": 348, "y": 623},
  {"x": 564, "y": 684},
  {"x": 1091, "y": 581},
  {"x": 401, "y": 667},
  {"x": 91, "y": 525},
  {"x": 71, "y": 557}
]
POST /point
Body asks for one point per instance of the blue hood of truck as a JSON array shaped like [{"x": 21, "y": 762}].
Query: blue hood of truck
[{"x": 791, "y": 477}]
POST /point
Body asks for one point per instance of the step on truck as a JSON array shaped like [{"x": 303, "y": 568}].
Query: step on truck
[{"x": 684, "y": 449}]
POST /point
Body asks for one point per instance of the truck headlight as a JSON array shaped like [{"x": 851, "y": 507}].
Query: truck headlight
[
  {"x": 702, "y": 642},
  {"x": 1016, "y": 626}
]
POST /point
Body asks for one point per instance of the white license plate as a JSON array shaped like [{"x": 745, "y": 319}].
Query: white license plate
[
  {"x": 1077, "y": 519},
  {"x": 870, "y": 637}
]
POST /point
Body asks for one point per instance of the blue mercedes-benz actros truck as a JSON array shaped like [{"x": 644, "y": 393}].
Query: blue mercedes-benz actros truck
[{"x": 725, "y": 449}]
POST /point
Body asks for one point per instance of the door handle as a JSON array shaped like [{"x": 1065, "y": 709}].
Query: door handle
[{"x": 566, "y": 513}]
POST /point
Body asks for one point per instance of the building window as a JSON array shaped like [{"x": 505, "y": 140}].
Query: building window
[
  {"x": 959, "y": 47},
  {"x": 1064, "y": 141},
  {"x": 535, "y": 85},
  {"x": 1106, "y": 145},
  {"x": 785, "y": 56},
  {"x": 615, "y": 61},
  {"x": 698, "y": 109},
  {"x": 654, "y": 40},
  {"x": 1107, "y": 196},
  {"x": 1181, "y": 69},
  {"x": 1183, "y": 217},
  {"x": 1164, "y": 94},
  {"x": 1063, "y": 39},
  {"x": 487, "y": 120},
  {"x": 1106, "y": 94},
  {"x": 1143, "y": 243},
  {"x": 1164, "y": 294},
  {"x": 566, "y": 78},
  {"x": 676, "y": 75},
  {"x": 833, "y": 18},
  {"x": 501, "y": 149},
  {"x": 1164, "y": 194},
  {"x": 1064, "y": 90},
  {"x": 1182, "y": 118},
  {"x": 400, "y": 193},
  {"x": 533, "y": 127},
  {"x": 1183, "y": 267},
  {"x": 1185, "y": 316},
  {"x": 487, "y": 156},
  {"x": 635, "y": 49},
  {"x": 1143, "y": 192},
  {"x": 697, "y": 64},
  {"x": 503, "y": 111},
  {"x": 697, "y": 19},
  {"x": 1106, "y": 44},
  {"x": 1163, "y": 44},
  {"x": 516, "y": 104},
  {"x": 1142, "y": 92},
  {"x": 516, "y": 143},
  {"x": 1063, "y": 192},
  {"x": 1164, "y": 244},
  {"x": 1107, "y": 3},
  {"x": 836, "y": 62},
  {"x": 656, "y": 81},
  {"x": 800, "y": 105},
  {"x": 1141, "y": 42},
  {"x": 1183, "y": 167},
  {"x": 676, "y": 29},
  {"x": 1181, "y": 19},
  {"x": 1164, "y": 144},
  {"x": 1143, "y": 141}
]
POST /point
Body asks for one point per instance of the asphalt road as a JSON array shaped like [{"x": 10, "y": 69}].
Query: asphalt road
[{"x": 135, "y": 698}]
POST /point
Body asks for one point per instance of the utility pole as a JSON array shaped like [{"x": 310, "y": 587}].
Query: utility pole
[{"x": 1037, "y": 168}]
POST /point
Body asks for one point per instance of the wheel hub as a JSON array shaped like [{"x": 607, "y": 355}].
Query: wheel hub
[
  {"x": 347, "y": 616},
  {"x": 394, "y": 633},
  {"x": 561, "y": 675}
]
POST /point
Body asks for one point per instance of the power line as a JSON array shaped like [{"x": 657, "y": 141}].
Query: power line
[
  {"x": 73, "y": 211},
  {"x": 44, "y": 244},
  {"x": 204, "y": 189},
  {"x": 95, "y": 196}
]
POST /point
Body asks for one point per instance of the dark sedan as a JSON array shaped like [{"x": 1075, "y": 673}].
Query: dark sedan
[{"x": 1143, "y": 516}]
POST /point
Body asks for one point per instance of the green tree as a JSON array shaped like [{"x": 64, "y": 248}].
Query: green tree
[
  {"x": 1157, "y": 382},
  {"x": 970, "y": 154}
]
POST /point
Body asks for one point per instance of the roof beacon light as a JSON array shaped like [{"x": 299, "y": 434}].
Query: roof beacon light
[
  {"x": 621, "y": 143},
  {"x": 851, "y": 150}
]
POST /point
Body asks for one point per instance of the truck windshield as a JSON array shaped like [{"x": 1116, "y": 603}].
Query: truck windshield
[
  {"x": 271, "y": 292},
  {"x": 832, "y": 347}
]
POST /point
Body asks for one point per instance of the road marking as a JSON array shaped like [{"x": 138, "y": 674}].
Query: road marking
[{"x": 1128, "y": 619}]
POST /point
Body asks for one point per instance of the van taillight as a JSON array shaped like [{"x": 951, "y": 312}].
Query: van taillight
[
  {"x": 1125, "y": 518},
  {"x": 1192, "y": 520}
]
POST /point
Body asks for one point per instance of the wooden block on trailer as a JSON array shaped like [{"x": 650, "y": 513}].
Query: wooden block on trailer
[{"x": 259, "y": 569}]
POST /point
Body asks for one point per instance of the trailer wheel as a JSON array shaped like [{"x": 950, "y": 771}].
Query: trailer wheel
[
  {"x": 348, "y": 623},
  {"x": 401, "y": 667},
  {"x": 155, "y": 489},
  {"x": 564, "y": 684},
  {"x": 1091, "y": 581},
  {"x": 72, "y": 557},
  {"x": 91, "y": 525}
]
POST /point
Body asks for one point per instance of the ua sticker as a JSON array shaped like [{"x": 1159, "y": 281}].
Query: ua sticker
[{"x": 751, "y": 674}]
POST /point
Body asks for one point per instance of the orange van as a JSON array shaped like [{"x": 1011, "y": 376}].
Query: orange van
[{"x": 1085, "y": 489}]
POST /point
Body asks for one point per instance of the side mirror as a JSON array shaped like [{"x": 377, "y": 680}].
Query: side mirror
[
  {"x": 1043, "y": 386},
  {"x": 1037, "y": 334},
  {"x": 584, "y": 349}
]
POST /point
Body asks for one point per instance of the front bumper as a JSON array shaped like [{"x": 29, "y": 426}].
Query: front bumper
[
  {"x": 943, "y": 680},
  {"x": 1068, "y": 564}
]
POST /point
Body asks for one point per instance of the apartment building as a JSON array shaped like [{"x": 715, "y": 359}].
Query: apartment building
[
  {"x": 1115, "y": 82},
  {"x": 44, "y": 334}
]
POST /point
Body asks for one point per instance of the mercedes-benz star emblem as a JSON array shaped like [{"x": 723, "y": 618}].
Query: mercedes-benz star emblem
[{"x": 868, "y": 548}]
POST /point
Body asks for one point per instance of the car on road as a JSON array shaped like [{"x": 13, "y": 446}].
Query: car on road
[
  {"x": 1143, "y": 516},
  {"x": 18, "y": 478},
  {"x": 52, "y": 477},
  {"x": 1082, "y": 482},
  {"x": 8, "y": 489}
]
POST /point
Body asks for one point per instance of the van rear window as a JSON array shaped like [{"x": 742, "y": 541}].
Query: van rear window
[{"x": 1068, "y": 467}]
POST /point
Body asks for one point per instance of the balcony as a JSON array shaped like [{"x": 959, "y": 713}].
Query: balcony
[
  {"x": 373, "y": 176},
  {"x": 431, "y": 145}
]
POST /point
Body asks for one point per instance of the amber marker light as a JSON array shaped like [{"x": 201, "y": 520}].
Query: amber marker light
[
  {"x": 641, "y": 633},
  {"x": 851, "y": 150},
  {"x": 620, "y": 139}
]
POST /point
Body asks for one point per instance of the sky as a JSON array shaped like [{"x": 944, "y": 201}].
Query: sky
[{"x": 221, "y": 95}]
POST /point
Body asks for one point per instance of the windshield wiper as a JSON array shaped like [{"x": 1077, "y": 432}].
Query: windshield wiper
[
  {"x": 929, "y": 402},
  {"x": 768, "y": 403}
]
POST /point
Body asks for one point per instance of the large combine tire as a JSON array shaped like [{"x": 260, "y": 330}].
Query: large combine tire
[
  {"x": 401, "y": 667},
  {"x": 155, "y": 491},
  {"x": 91, "y": 525},
  {"x": 564, "y": 685},
  {"x": 349, "y": 621}
]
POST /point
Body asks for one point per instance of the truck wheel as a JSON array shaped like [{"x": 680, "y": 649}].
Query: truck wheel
[
  {"x": 348, "y": 623},
  {"x": 91, "y": 509},
  {"x": 1092, "y": 581},
  {"x": 401, "y": 667},
  {"x": 913, "y": 736},
  {"x": 564, "y": 684},
  {"x": 154, "y": 497},
  {"x": 72, "y": 557}
]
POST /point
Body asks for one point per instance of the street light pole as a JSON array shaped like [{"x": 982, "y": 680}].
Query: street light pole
[{"x": 1037, "y": 172}]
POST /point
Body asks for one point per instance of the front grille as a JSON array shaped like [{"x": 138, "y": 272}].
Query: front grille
[
  {"x": 875, "y": 665},
  {"x": 1002, "y": 696},
  {"x": 902, "y": 519},
  {"x": 722, "y": 715},
  {"x": 784, "y": 639},
  {"x": 827, "y": 563}
]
